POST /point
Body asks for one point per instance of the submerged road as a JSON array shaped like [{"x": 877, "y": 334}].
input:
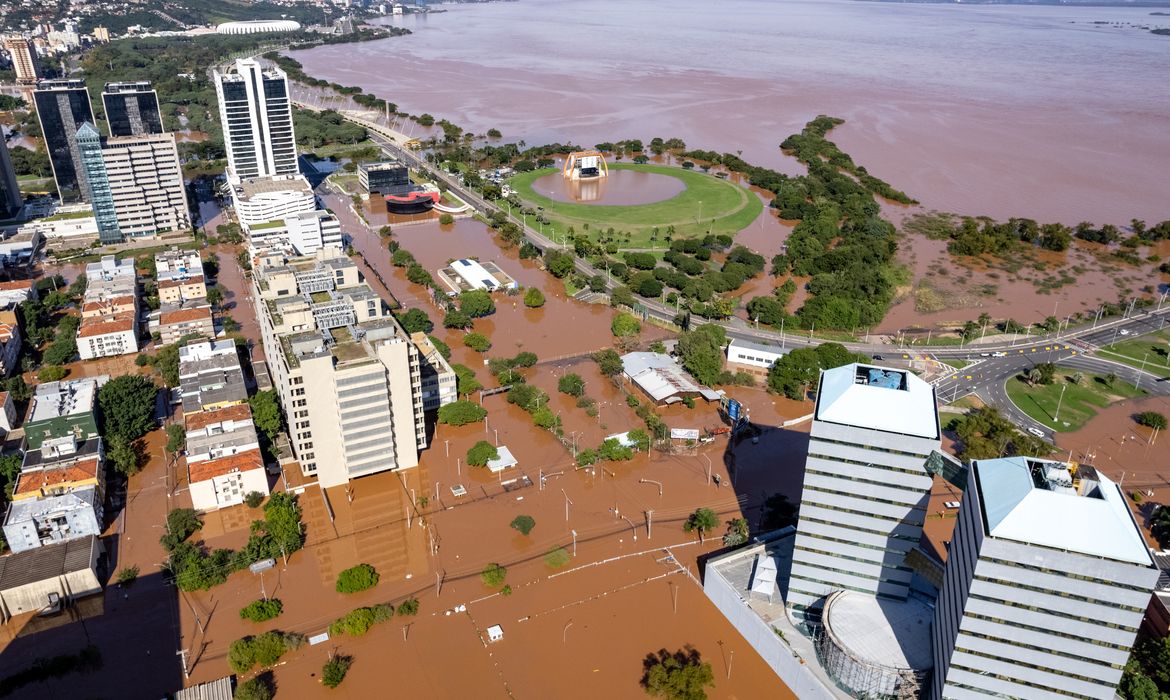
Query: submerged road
[{"x": 995, "y": 362}]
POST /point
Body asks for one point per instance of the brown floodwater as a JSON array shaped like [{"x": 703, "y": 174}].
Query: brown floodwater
[
  {"x": 620, "y": 187},
  {"x": 987, "y": 109}
]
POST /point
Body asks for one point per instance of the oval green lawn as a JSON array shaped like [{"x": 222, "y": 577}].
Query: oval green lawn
[{"x": 726, "y": 207}]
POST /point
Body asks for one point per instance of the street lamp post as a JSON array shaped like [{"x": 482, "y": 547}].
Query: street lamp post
[{"x": 1056, "y": 418}]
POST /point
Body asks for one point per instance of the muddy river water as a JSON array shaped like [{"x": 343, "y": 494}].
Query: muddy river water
[{"x": 1055, "y": 113}]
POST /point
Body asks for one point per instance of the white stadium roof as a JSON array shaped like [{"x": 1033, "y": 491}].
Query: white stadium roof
[{"x": 878, "y": 398}]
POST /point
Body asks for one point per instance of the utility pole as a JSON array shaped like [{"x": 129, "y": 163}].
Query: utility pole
[
  {"x": 438, "y": 583},
  {"x": 649, "y": 520},
  {"x": 674, "y": 594},
  {"x": 1056, "y": 418},
  {"x": 567, "y": 504},
  {"x": 182, "y": 654},
  {"x": 574, "y": 543}
]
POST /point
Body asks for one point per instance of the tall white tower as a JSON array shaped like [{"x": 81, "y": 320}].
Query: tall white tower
[
  {"x": 866, "y": 486},
  {"x": 256, "y": 113}
]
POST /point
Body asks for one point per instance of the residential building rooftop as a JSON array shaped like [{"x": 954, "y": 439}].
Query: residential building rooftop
[
  {"x": 57, "y": 559},
  {"x": 39, "y": 482},
  {"x": 119, "y": 323},
  {"x": 198, "y": 421},
  {"x": 244, "y": 461},
  {"x": 56, "y": 399}
]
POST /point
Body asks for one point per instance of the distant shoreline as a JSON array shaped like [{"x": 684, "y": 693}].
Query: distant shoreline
[{"x": 1112, "y": 4}]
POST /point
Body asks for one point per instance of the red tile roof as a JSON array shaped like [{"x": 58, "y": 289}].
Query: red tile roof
[
  {"x": 242, "y": 462},
  {"x": 199, "y": 421},
  {"x": 100, "y": 326},
  {"x": 198, "y": 313},
  {"x": 13, "y": 285},
  {"x": 39, "y": 480}
]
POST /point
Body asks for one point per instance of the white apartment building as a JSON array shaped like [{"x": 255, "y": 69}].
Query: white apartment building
[
  {"x": 179, "y": 274},
  {"x": 256, "y": 114},
  {"x": 755, "y": 358},
  {"x": 109, "y": 311},
  {"x": 146, "y": 184},
  {"x": 264, "y": 203},
  {"x": 305, "y": 232},
  {"x": 866, "y": 487},
  {"x": 439, "y": 383},
  {"x": 224, "y": 462},
  {"x": 349, "y": 378},
  {"x": 1047, "y": 580}
]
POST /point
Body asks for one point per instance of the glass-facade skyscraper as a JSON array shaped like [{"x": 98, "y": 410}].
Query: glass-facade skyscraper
[
  {"x": 62, "y": 107},
  {"x": 93, "y": 164},
  {"x": 132, "y": 109},
  {"x": 10, "y": 200}
]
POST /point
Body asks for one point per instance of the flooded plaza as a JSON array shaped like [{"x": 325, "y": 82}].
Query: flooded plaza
[{"x": 619, "y": 188}]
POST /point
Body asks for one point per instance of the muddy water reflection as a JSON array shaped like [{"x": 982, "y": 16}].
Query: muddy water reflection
[{"x": 620, "y": 187}]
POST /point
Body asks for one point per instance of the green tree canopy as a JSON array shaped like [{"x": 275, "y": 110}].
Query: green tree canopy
[
  {"x": 476, "y": 303},
  {"x": 523, "y": 524},
  {"x": 625, "y": 325},
  {"x": 481, "y": 452},
  {"x": 571, "y": 384},
  {"x": 461, "y": 413},
  {"x": 608, "y": 361},
  {"x": 127, "y": 404},
  {"x": 701, "y": 352},
  {"x": 533, "y": 298},
  {"x": 416, "y": 321},
  {"x": 678, "y": 676},
  {"x": 477, "y": 341}
]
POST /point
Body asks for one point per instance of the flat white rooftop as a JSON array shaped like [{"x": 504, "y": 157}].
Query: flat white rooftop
[
  {"x": 1044, "y": 502},
  {"x": 885, "y": 633},
  {"x": 878, "y": 398}
]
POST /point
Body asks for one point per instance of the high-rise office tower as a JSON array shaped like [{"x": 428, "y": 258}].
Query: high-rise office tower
[
  {"x": 24, "y": 60},
  {"x": 10, "y": 200},
  {"x": 62, "y": 107},
  {"x": 89, "y": 141},
  {"x": 256, "y": 114},
  {"x": 866, "y": 486},
  {"x": 132, "y": 109},
  {"x": 1047, "y": 580}
]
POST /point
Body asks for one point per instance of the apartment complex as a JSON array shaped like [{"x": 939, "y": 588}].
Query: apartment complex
[
  {"x": 866, "y": 487},
  {"x": 9, "y": 341},
  {"x": 256, "y": 114},
  {"x": 135, "y": 184},
  {"x": 109, "y": 310},
  {"x": 1047, "y": 580},
  {"x": 62, "y": 410},
  {"x": 24, "y": 60},
  {"x": 303, "y": 233},
  {"x": 132, "y": 109},
  {"x": 180, "y": 278},
  {"x": 62, "y": 108},
  {"x": 349, "y": 378},
  {"x": 224, "y": 462},
  {"x": 210, "y": 376},
  {"x": 58, "y": 494}
]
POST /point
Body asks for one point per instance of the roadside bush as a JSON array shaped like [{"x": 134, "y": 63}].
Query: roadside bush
[
  {"x": 493, "y": 575},
  {"x": 477, "y": 341},
  {"x": 334, "y": 670},
  {"x": 357, "y": 622},
  {"x": 258, "y": 688},
  {"x": 261, "y": 610},
  {"x": 523, "y": 524},
  {"x": 557, "y": 558},
  {"x": 445, "y": 219},
  {"x": 533, "y": 298},
  {"x": 357, "y": 578},
  {"x": 571, "y": 384},
  {"x": 408, "y": 607},
  {"x": 1151, "y": 419},
  {"x": 613, "y": 451},
  {"x": 263, "y": 650},
  {"x": 253, "y": 499},
  {"x": 127, "y": 575},
  {"x": 625, "y": 325},
  {"x": 586, "y": 457},
  {"x": 52, "y": 373}
]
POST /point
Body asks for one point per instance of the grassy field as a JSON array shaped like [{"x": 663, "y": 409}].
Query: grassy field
[
  {"x": 725, "y": 208},
  {"x": 1153, "y": 348},
  {"x": 1081, "y": 402}
]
